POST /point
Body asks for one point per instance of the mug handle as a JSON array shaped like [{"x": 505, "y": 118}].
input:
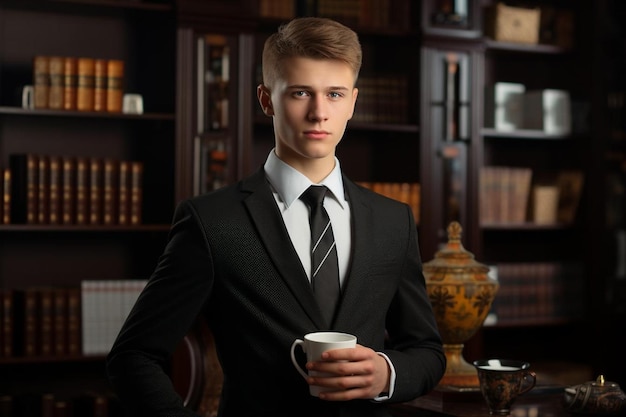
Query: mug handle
[
  {"x": 530, "y": 378},
  {"x": 293, "y": 357},
  {"x": 28, "y": 94}
]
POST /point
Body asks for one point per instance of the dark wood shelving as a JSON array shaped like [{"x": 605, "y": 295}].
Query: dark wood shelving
[
  {"x": 18, "y": 111},
  {"x": 528, "y": 226},
  {"x": 142, "y": 34},
  {"x": 522, "y": 134},
  {"x": 499, "y": 46},
  {"x": 41, "y": 360},
  {"x": 129, "y": 4},
  {"x": 84, "y": 228},
  {"x": 530, "y": 323},
  {"x": 98, "y": 5}
]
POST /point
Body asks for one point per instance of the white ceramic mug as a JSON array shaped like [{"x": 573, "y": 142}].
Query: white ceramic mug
[
  {"x": 28, "y": 97},
  {"x": 132, "y": 104},
  {"x": 314, "y": 344}
]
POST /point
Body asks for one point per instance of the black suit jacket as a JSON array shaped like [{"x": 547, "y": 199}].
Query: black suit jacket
[{"x": 229, "y": 257}]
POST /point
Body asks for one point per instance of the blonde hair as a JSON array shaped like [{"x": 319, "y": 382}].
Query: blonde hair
[{"x": 310, "y": 37}]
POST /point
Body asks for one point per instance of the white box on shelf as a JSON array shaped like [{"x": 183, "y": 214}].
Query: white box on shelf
[
  {"x": 548, "y": 110},
  {"x": 504, "y": 106}
]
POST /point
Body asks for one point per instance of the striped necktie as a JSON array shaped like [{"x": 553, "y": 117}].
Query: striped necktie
[{"x": 324, "y": 266}]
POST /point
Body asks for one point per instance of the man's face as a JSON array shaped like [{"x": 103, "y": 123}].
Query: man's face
[{"x": 311, "y": 104}]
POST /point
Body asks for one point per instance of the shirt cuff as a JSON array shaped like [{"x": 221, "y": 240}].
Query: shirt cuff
[{"x": 383, "y": 396}]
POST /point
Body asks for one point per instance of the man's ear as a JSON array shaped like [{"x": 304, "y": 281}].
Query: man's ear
[{"x": 265, "y": 100}]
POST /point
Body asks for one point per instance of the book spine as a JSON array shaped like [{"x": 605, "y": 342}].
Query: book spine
[
  {"x": 95, "y": 191},
  {"x": 115, "y": 85},
  {"x": 60, "y": 321},
  {"x": 46, "y": 304},
  {"x": 110, "y": 196},
  {"x": 55, "y": 94},
  {"x": 69, "y": 82},
  {"x": 6, "y": 196},
  {"x": 85, "y": 84},
  {"x": 43, "y": 190},
  {"x": 136, "y": 192},
  {"x": 100, "y": 85},
  {"x": 82, "y": 190},
  {"x": 68, "y": 201},
  {"x": 41, "y": 81},
  {"x": 7, "y": 298},
  {"x": 124, "y": 197},
  {"x": 55, "y": 189},
  {"x": 74, "y": 314}
]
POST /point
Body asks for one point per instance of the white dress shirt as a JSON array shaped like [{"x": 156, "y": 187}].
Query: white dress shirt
[{"x": 287, "y": 186}]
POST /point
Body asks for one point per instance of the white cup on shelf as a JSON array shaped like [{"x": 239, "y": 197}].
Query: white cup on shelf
[
  {"x": 132, "y": 104},
  {"x": 28, "y": 97}
]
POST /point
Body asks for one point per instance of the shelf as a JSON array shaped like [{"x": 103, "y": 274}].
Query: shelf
[
  {"x": 497, "y": 46},
  {"x": 525, "y": 226},
  {"x": 78, "y": 114},
  {"x": 129, "y": 4},
  {"x": 83, "y": 228},
  {"x": 531, "y": 322},
  {"x": 91, "y": 4},
  {"x": 37, "y": 360},
  {"x": 522, "y": 134}
]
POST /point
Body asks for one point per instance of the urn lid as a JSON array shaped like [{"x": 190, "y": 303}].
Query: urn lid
[{"x": 454, "y": 258}]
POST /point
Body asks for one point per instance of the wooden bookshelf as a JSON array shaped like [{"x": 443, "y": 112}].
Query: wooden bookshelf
[{"x": 142, "y": 36}]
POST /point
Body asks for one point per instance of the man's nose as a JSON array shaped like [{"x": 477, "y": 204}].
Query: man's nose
[{"x": 318, "y": 109}]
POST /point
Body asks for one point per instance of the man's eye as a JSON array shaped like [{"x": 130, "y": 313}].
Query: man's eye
[
  {"x": 300, "y": 93},
  {"x": 335, "y": 95}
]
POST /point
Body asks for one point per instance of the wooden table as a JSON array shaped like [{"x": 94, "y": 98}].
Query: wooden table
[{"x": 442, "y": 402}]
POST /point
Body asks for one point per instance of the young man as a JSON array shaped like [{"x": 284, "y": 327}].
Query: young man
[{"x": 240, "y": 257}]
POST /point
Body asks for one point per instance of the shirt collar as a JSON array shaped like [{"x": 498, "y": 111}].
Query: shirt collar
[{"x": 289, "y": 183}]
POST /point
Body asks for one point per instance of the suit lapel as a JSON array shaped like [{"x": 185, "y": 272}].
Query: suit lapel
[
  {"x": 272, "y": 232},
  {"x": 362, "y": 251}
]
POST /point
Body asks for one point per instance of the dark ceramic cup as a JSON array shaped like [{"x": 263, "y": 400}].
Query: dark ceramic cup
[{"x": 501, "y": 381}]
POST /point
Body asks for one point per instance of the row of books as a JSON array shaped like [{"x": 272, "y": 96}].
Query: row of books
[
  {"x": 366, "y": 13},
  {"x": 40, "y": 322},
  {"x": 539, "y": 290},
  {"x": 88, "y": 404},
  {"x": 83, "y": 84},
  {"x": 383, "y": 99},
  {"x": 507, "y": 195},
  {"x": 62, "y": 189},
  {"x": 405, "y": 192},
  {"x": 65, "y": 321}
]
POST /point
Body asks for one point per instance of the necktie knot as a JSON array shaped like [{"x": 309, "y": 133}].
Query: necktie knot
[{"x": 314, "y": 195}]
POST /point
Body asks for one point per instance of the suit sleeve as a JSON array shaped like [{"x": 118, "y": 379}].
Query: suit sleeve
[
  {"x": 164, "y": 312},
  {"x": 414, "y": 344}
]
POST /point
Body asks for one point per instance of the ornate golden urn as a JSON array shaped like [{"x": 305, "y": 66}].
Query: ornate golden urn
[{"x": 461, "y": 294}]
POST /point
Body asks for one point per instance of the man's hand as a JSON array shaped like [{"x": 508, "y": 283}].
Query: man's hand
[{"x": 355, "y": 373}]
